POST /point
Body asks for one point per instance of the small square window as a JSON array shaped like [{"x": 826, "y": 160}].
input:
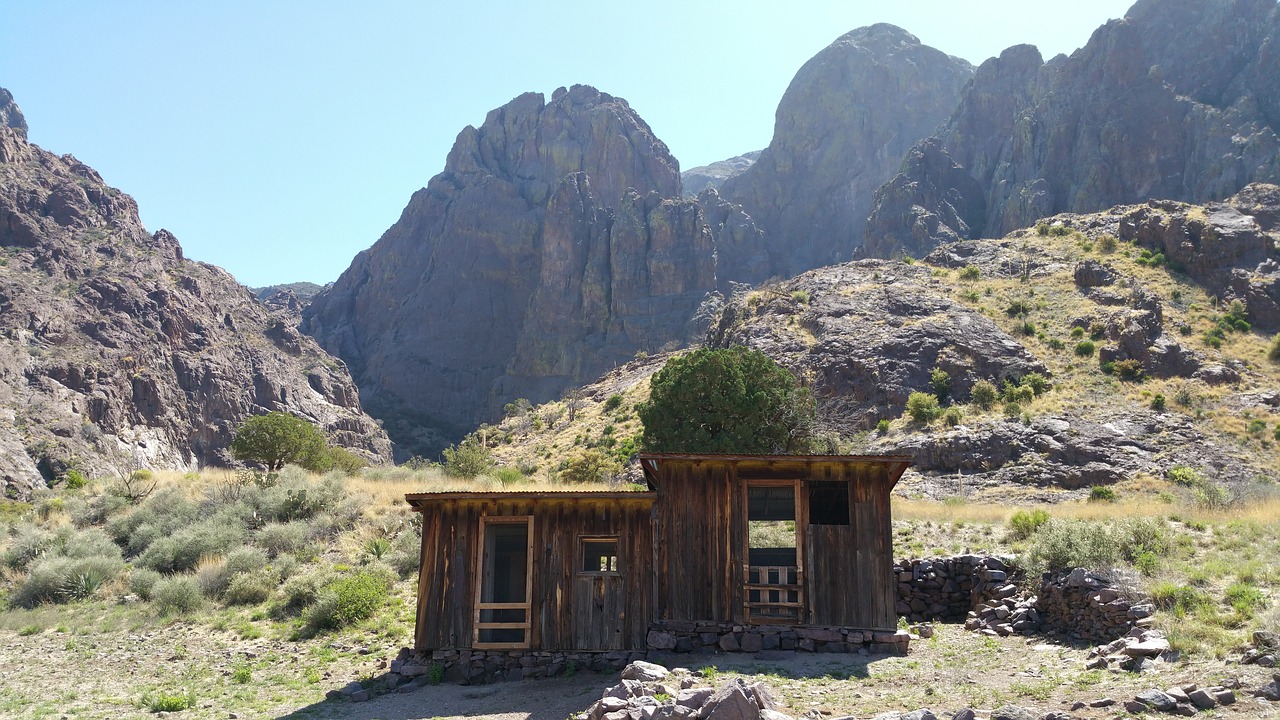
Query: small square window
[{"x": 600, "y": 555}]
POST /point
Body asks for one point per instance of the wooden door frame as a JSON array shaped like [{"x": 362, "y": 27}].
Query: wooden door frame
[
  {"x": 801, "y": 512},
  {"x": 527, "y": 605}
]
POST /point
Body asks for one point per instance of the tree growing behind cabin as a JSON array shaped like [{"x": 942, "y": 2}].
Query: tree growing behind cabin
[{"x": 728, "y": 400}]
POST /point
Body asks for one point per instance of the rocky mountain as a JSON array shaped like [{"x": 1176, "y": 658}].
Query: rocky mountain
[
  {"x": 554, "y": 245},
  {"x": 1140, "y": 376},
  {"x": 1178, "y": 100},
  {"x": 116, "y": 352},
  {"x": 700, "y": 178},
  {"x": 842, "y": 128}
]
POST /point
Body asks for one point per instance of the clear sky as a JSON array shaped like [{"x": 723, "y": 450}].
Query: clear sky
[{"x": 278, "y": 138}]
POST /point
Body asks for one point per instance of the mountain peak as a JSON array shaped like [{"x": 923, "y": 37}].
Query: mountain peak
[{"x": 10, "y": 114}]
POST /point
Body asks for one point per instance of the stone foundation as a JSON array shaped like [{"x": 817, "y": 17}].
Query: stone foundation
[
  {"x": 469, "y": 667},
  {"x": 684, "y": 636}
]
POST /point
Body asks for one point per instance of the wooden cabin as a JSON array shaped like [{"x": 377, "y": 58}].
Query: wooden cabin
[
  {"x": 535, "y": 570},
  {"x": 718, "y": 541},
  {"x": 799, "y": 540}
]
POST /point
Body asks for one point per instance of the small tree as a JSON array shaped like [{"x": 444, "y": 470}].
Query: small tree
[
  {"x": 468, "y": 458},
  {"x": 278, "y": 438},
  {"x": 726, "y": 400},
  {"x": 940, "y": 383},
  {"x": 923, "y": 407},
  {"x": 592, "y": 466}
]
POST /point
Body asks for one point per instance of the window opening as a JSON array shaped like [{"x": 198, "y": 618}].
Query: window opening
[
  {"x": 600, "y": 555},
  {"x": 773, "y": 572},
  {"x": 828, "y": 503}
]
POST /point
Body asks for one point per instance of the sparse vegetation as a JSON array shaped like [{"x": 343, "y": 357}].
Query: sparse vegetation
[{"x": 923, "y": 407}]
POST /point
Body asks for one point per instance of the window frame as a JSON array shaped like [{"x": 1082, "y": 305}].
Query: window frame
[{"x": 582, "y": 555}]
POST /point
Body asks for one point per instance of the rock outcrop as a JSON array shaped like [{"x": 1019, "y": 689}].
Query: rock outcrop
[
  {"x": 700, "y": 178},
  {"x": 117, "y": 352},
  {"x": 842, "y": 129},
  {"x": 553, "y": 245},
  {"x": 1178, "y": 100}
]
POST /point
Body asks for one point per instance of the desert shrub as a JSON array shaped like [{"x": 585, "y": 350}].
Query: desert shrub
[
  {"x": 1085, "y": 348},
  {"x": 467, "y": 459},
  {"x": 183, "y": 549},
  {"x": 882, "y": 427},
  {"x": 940, "y": 384},
  {"x": 970, "y": 273},
  {"x": 405, "y": 554},
  {"x": 1017, "y": 308},
  {"x": 1036, "y": 382},
  {"x": 212, "y": 576},
  {"x": 301, "y": 591},
  {"x": 96, "y": 509},
  {"x": 508, "y": 475},
  {"x": 1077, "y": 333},
  {"x": 294, "y": 496},
  {"x": 75, "y": 480},
  {"x": 1129, "y": 369},
  {"x": 1012, "y": 410},
  {"x": 923, "y": 407},
  {"x": 1273, "y": 352},
  {"x": 142, "y": 581},
  {"x": 1158, "y": 403},
  {"x": 60, "y": 579},
  {"x": 1102, "y": 493},
  {"x": 280, "y": 538},
  {"x": 1017, "y": 392},
  {"x": 1024, "y": 523},
  {"x": 348, "y": 600},
  {"x": 27, "y": 544},
  {"x": 1107, "y": 243},
  {"x": 1184, "y": 476},
  {"x": 613, "y": 402},
  {"x": 163, "y": 513},
  {"x": 952, "y": 416},
  {"x": 983, "y": 394},
  {"x": 591, "y": 466},
  {"x": 344, "y": 461},
  {"x": 164, "y": 701},
  {"x": 251, "y": 588},
  {"x": 177, "y": 594},
  {"x": 1096, "y": 545}
]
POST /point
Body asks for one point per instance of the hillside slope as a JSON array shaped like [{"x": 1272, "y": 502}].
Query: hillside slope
[
  {"x": 116, "y": 352},
  {"x": 1145, "y": 368}
]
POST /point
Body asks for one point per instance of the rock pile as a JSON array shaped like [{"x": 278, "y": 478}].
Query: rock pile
[
  {"x": 949, "y": 588},
  {"x": 1075, "y": 605},
  {"x": 1266, "y": 646},
  {"x": 1136, "y": 651},
  {"x": 1185, "y": 700},
  {"x": 651, "y": 692}
]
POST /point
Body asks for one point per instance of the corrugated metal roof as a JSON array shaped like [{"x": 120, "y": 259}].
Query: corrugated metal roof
[
  {"x": 778, "y": 458},
  {"x": 427, "y": 497}
]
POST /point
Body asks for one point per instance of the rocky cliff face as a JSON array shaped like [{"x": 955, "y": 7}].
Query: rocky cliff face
[
  {"x": 700, "y": 178},
  {"x": 1178, "y": 100},
  {"x": 553, "y": 245},
  {"x": 842, "y": 128},
  {"x": 117, "y": 352}
]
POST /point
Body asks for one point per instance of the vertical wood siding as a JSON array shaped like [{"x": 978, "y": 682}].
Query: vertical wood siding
[{"x": 569, "y": 611}]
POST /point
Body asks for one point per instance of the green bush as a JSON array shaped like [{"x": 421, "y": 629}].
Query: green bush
[
  {"x": 142, "y": 581},
  {"x": 1273, "y": 353},
  {"x": 1184, "y": 476},
  {"x": 1093, "y": 544},
  {"x": 467, "y": 459},
  {"x": 1129, "y": 369},
  {"x": 1024, "y": 523},
  {"x": 952, "y": 416},
  {"x": 1244, "y": 598},
  {"x": 177, "y": 594},
  {"x": 923, "y": 407},
  {"x": 158, "y": 702},
  {"x": 1085, "y": 348},
  {"x": 1107, "y": 243},
  {"x": 940, "y": 384},
  {"x": 970, "y": 273},
  {"x": 1181, "y": 600},
  {"x": 983, "y": 394},
  {"x": 613, "y": 402},
  {"x": 591, "y": 466},
  {"x": 281, "y": 538},
  {"x": 1077, "y": 333},
  {"x": 1035, "y": 382},
  {"x": 251, "y": 588},
  {"x": 60, "y": 579},
  {"x": 882, "y": 427},
  {"x": 348, "y": 600},
  {"x": 183, "y": 550},
  {"x": 76, "y": 480},
  {"x": 1158, "y": 403},
  {"x": 1102, "y": 493},
  {"x": 1012, "y": 410},
  {"x": 344, "y": 461}
]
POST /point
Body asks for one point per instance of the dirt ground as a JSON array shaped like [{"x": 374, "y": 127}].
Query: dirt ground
[{"x": 108, "y": 674}]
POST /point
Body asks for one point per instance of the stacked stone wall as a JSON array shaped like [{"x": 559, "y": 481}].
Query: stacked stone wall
[
  {"x": 947, "y": 589},
  {"x": 682, "y": 636}
]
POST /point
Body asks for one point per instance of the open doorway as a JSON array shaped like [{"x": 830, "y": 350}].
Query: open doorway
[
  {"x": 505, "y": 579},
  {"x": 774, "y": 577}
]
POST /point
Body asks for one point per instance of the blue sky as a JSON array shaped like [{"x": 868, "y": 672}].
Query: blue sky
[{"x": 279, "y": 138}]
